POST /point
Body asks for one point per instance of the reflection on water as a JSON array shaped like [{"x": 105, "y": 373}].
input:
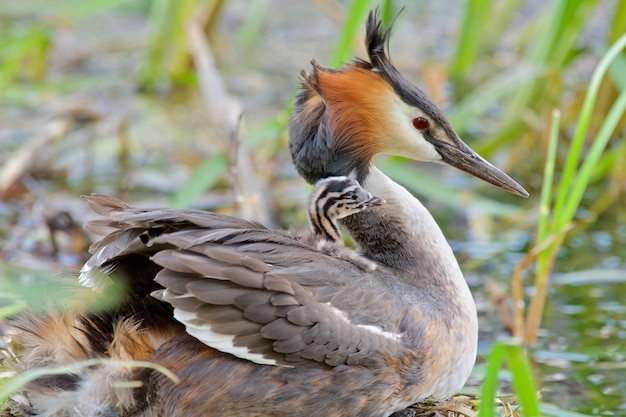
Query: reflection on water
[
  {"x": 584, "y": 362},
  {"x": 580, "y": 358}
]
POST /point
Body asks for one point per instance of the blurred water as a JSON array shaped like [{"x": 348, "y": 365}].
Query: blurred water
[{"x": 580, "y": 357}]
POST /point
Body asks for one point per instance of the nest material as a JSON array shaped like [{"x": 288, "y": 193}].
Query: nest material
[{"x": 459, "y": 406}]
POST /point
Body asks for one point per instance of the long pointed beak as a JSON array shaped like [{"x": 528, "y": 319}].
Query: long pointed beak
[{"x": 467, "y": 160}]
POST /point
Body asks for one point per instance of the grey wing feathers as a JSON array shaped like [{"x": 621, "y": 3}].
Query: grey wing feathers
[{"x": 239, "y": 288}]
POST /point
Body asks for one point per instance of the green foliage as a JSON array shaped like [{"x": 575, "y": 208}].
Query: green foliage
[
  {"x": 574, "y": 182},
  {"x": 477, "y": 14},
  {"x": 23, "y": 55},
  {"x": 204, "y": 177},
  {"x": 250, "y": 28},
  {"x": 352, "y": 27},
  {"x": 34, "y": 290},
  {"x": 558, "y": 212},
  {"x": 167, "y": 60},
  {"x": 511, "y": 352}
]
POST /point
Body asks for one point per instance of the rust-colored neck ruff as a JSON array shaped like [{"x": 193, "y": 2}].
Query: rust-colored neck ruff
[{"x": 338, "y": 117}]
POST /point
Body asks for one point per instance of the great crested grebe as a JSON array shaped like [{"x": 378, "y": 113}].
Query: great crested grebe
[{"x": 256, "y": 322}]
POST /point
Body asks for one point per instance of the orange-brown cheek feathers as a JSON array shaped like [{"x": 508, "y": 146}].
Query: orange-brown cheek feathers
[
  {"x": 338, "y": 122},
  {"x": 357, "y": 97}
]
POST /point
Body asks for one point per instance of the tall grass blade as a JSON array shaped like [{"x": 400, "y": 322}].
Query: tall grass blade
[
  {"x": 548, "y": 177},
  {"x": 489, "y": 387},
  {"x": 523, "y": 382},
  {"x": 158, "y": 16},
  {"x": 619, "y": 22},
  {"x": 476, "y": 15},
  {"x": 351, "y": 28},
  {"x": 387, "y": 13},
  {"x": 512, "y": 352},
  {"x": 551, "y": 47},
  {"x": 573, "y": 185},
  {"x": 578, "y": 140},
  {"x": 575, "y": 16},
  {"x": 167, "y": 54},
  {"x": 582, "y": 178}
]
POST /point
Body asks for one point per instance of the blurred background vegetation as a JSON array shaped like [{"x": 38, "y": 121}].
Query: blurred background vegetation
[{"x": 185, "y": 102}]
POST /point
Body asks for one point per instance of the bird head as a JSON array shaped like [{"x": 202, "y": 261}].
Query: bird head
[{"x": 343, "y": 117}]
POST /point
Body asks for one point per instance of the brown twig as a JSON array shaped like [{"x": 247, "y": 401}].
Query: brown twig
[
  {"x": 24, "y": 158},
  {"x": 519, "y": 327},
  {"x": 226, "y": 112}
]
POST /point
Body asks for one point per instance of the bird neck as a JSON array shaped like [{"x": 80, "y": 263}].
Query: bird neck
[
  {"x": 323, "y": 225},
  {"x": 401, "y": 234}
]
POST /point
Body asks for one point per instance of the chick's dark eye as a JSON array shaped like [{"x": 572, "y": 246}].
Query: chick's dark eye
[{"x": 420, "y": 123}]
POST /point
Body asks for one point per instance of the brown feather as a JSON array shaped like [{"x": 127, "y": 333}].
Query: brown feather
[{"x": 357, "y": 113}]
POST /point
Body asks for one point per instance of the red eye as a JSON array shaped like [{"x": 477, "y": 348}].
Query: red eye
[{"x": 420, "y": 123}]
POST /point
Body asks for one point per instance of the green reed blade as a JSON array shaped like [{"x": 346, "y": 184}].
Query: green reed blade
[
  {"x": 578, "y": 140},
  {"x": 203, "y": 178},
  {"x": 476, "y": 15},
  {"x": 489, "y": 387},
  {"x": 581, "y": 180},
  {"x": 523, "y": 382},
  {"x": 548, "y": 177},
  {"x": 351, "y": 28},
  {"x": 486, "y": 96}
]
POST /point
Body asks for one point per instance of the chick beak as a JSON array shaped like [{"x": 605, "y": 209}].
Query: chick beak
[
  {"x": 373, "y": 202},
  {"x": 464, "y": 158}
]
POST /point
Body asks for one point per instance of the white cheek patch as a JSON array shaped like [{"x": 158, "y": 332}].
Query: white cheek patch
[{"x": 406, "y": 140}]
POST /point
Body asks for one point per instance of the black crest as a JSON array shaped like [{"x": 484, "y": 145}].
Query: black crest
[{"x": 377, "y": 41}]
